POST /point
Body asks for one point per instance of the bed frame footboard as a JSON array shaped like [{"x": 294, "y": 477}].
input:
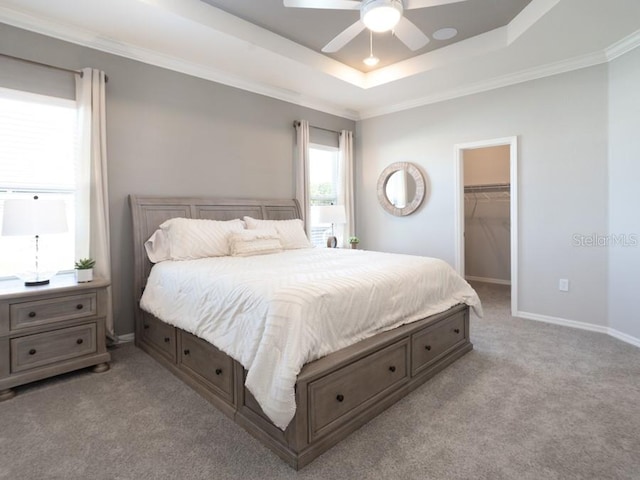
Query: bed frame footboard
[{"x": 335, "y": 395}]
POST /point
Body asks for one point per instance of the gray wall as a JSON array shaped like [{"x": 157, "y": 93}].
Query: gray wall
[
  {"x": 624, "y": 179},
  {"x": 172, "y": 134},
  {"x": 561, "y": 123}
]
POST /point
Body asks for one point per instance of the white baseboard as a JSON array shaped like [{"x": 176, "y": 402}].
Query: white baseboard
[
  {"x": 126, "y": 338},
  {"x": 579, "y": 325},
  {"x": 624, "y": 337},
  {"x": 496, "y": 281}
]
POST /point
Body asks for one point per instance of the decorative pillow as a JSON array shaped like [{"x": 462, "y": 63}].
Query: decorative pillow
[
  {"x": 254, "y": 242},
  {"x": 157, "y": 247},
  {"x": 191, "y": 238},
  {"x": 291, "y": 232}
]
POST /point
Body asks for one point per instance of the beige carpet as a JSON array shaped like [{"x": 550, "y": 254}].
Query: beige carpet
[{"x": 532, "y": 401}]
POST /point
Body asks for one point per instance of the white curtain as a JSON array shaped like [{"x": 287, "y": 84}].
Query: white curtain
[
  {"x": 92, "y": 204},
  {"x": 302, "y": 171},
  {"x": 346, "y": 196}
]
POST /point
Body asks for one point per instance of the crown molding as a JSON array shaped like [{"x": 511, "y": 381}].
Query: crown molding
[
  {"x": 86, "y": 38},
  {"x": 623, "y": 46},
  {"x": 522, "y": 76}
]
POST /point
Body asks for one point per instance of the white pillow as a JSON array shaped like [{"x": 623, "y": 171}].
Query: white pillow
[
  {"x": 254, "y": 242},
  {"x": 191, "y": 238},
  {"x": 291, "y": 232},
  {"x": 157, "y": 247}
]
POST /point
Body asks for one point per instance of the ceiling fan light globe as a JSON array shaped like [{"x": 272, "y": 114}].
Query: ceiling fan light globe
[
  {"x": 371, "y": 61},
  {"x": 381, "y": 15}
]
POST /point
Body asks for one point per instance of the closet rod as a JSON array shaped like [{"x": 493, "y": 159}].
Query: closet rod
[
  {"x": 495, "y": 187},
  {"x": 46, "y": 65}
]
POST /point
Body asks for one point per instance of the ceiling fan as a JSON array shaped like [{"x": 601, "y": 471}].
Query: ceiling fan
[{"x": 377, "y": 16}]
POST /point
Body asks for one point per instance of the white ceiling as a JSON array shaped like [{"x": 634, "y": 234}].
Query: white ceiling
[{"x": 190, "y": 36}]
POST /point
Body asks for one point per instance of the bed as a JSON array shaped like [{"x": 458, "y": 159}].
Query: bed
[{"x": 333, "y": 391}]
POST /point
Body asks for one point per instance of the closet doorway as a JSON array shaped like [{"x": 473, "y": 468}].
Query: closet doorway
[{"x": 486, "y": 211}]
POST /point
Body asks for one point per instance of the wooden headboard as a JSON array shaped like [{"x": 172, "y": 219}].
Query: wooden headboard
[{"x": 149, "y": 212}]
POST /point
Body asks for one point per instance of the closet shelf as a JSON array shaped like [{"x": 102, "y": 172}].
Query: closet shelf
[{"x": 489, "y": 187}]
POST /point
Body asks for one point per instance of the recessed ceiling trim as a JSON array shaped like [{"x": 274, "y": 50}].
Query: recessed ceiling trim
[
  {"x": 18, "y": 17},
  {"x": 256, "y": 37},
  {"x": 522, "y": 76},
  {"x": 85, "y": 38},
  {"x": 528, "y": 17},
  {"x": 464, "y": 49}
]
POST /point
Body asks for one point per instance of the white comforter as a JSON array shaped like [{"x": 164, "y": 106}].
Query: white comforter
[{"x": 274, "y": 313}]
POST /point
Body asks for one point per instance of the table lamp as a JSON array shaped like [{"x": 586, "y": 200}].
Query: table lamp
[
  {"x": 332, "y": 214},
  {"x": 34, "y": 217}
]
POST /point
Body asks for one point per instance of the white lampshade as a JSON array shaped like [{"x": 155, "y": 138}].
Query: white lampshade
[
  {"x": 381, "y": 15},
  {"x": 34, "y": 216},
  {"x": 325, "y": 214}
]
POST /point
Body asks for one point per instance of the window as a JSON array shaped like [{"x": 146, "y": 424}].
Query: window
[
  {"x": 324, "y": 171},
  {"x": 38, "y": 138}
]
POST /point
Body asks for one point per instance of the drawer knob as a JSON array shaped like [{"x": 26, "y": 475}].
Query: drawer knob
[
  {"x": 32, "y": 351},
  {"x": 340, "y": 398},
  {"x": 392, "y": 368},
  {"x": 145, "y": 326},
  {"x": 218, "y": 371},
  {"x": 186, "y": 351},
  {"x": 167, "y": 339},
  {"x": 79, "y": 306},
  {"x": 79, "y": 341},
  {"x": 427, "y": 347},
  {"x": 456, "y": 330},
  {"x": 32, "y": 314}
]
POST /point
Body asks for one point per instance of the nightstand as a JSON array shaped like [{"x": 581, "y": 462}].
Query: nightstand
[{"x": 51, "y": 329}]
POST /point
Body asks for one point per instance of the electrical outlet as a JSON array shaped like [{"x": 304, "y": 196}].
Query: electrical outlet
[{"x": 563, "y": 285}]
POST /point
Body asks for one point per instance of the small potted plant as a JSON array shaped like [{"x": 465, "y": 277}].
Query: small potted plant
[
  {"x": 84, "y": 270},
  {"x": 354, "y": 241}
]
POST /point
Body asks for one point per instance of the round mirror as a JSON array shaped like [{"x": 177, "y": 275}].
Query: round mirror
[{"x": 401, "y": 188}]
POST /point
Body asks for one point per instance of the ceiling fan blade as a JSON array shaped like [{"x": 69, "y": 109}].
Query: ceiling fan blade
[
  {"x": 410, "y": 4},
  {"x": 329, "y": 4},
  {"x": 410, "y": 35},
  {"x": 343, "y": 38}
]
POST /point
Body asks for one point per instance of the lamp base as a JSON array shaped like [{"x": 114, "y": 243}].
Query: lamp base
[
  {"x": 332, "y": 242},
  {"x": 36, "y": 283}
]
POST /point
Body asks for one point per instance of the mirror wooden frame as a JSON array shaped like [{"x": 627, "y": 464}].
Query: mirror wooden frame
[{"x": 412, "y": 206}]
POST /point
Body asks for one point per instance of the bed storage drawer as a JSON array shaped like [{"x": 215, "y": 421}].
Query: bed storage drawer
[
  {"x": 52, "y": 310},
  {"x": 209, "y": 364},
  {"x": 46, "y": 348},
  {"x": 431, "y": 343},
  {"x": 160, "y": 335},
  {"x": 341, "y": 395}
]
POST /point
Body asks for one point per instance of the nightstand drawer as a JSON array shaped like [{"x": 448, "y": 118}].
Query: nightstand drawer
[
  {"x": 46, "y": 348},
  {"x": 42, "y": 312}
]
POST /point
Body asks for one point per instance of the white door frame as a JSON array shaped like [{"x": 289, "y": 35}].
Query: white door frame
[{"x": 459, "y": 206}]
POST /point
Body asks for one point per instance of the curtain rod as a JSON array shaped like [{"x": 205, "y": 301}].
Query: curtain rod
[
  {"x": 40, "y": 64},
  {"x": 33, "y": 62},
  {"x": 297, "y": 124}
]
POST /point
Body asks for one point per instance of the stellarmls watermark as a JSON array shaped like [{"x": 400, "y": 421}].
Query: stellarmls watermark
[{"x": 608, "y": 240}]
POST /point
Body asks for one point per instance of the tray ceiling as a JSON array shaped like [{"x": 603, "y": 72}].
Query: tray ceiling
[
  {"x": 279, "y": 56},
  {"x": 314, "y": 28}
]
